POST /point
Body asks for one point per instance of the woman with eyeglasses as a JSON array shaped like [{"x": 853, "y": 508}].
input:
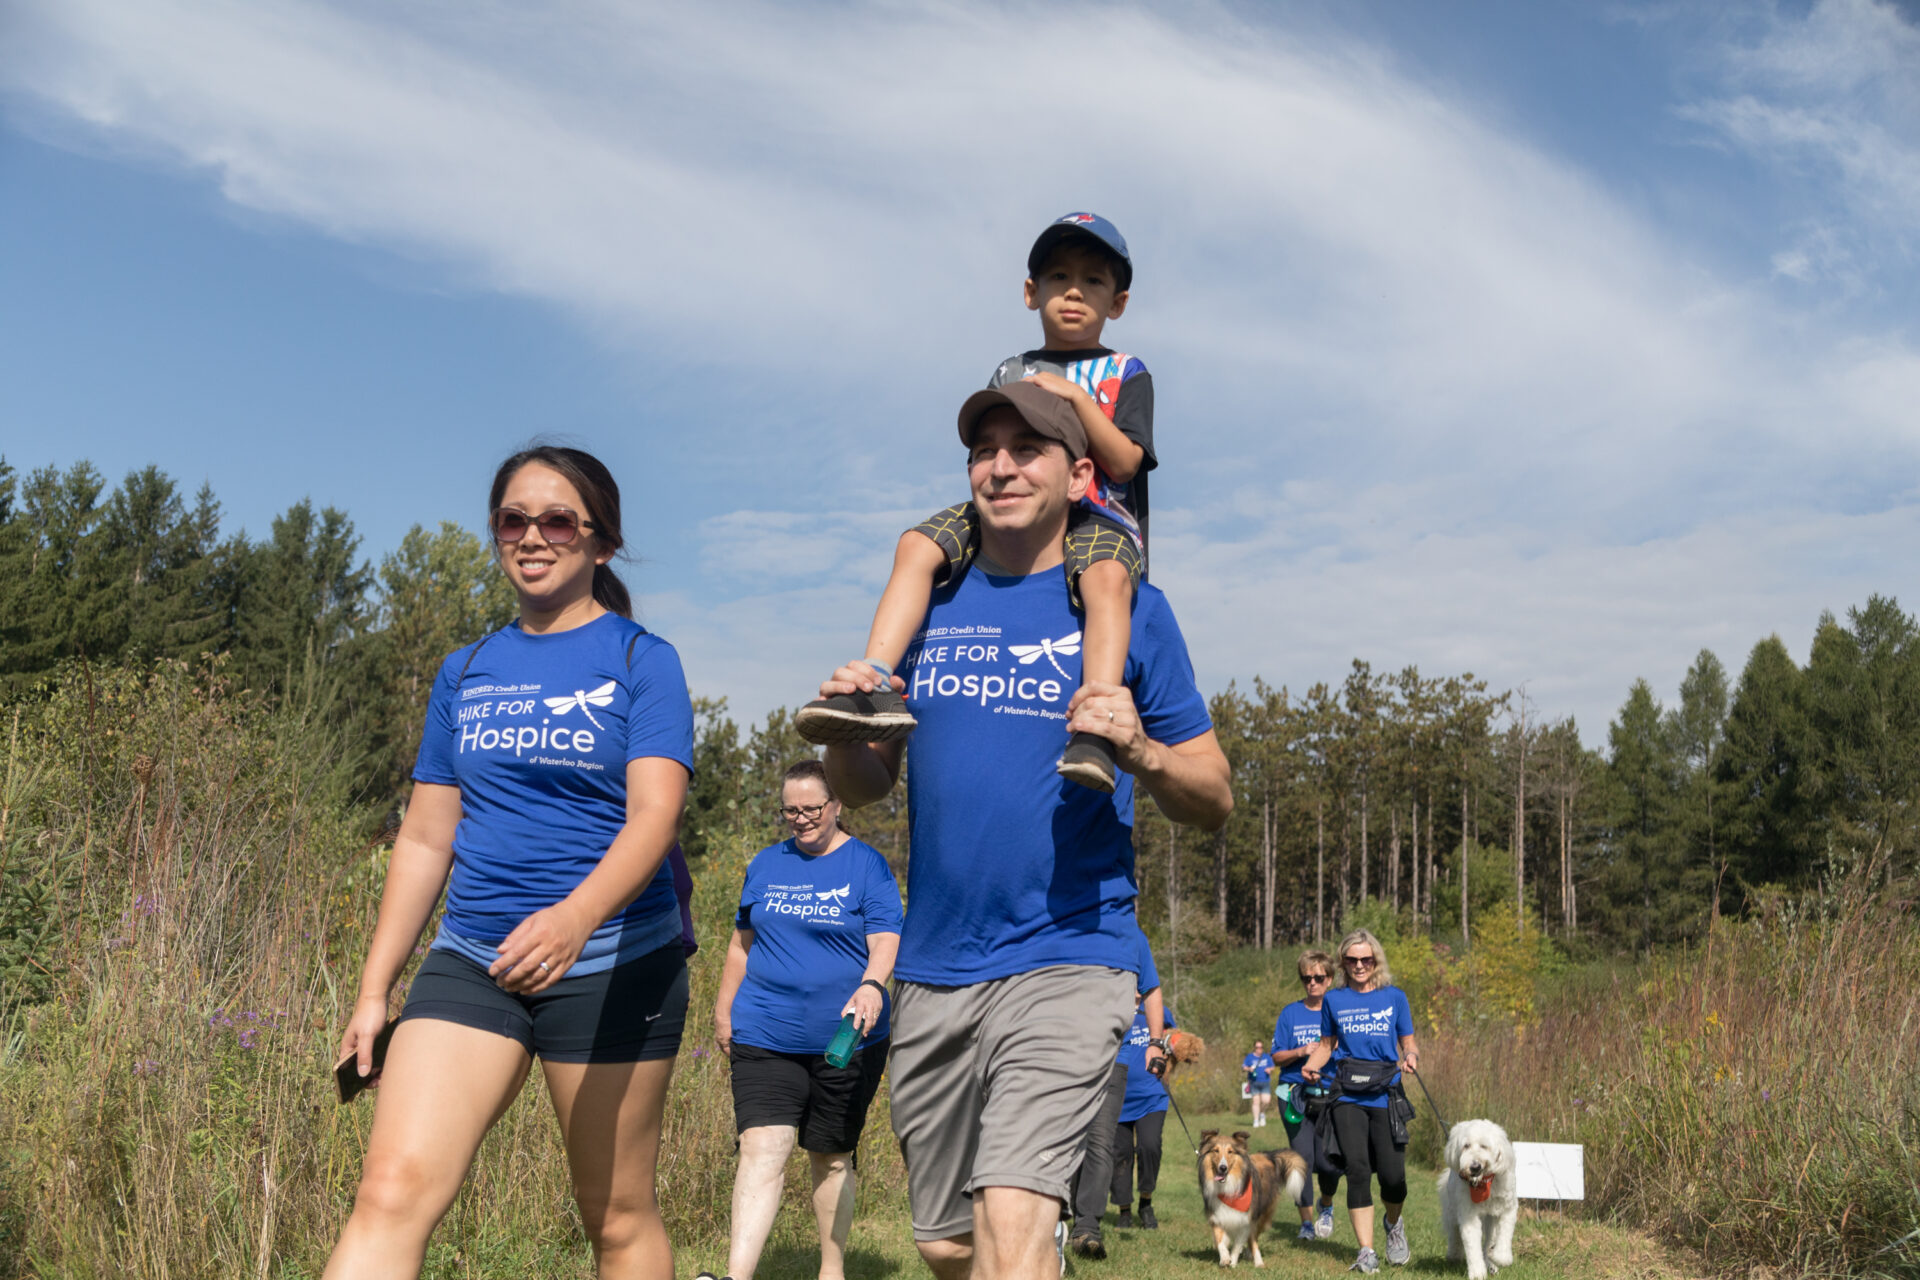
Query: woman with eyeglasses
[
  {"x": 547, "y": 794},
  {"x": 1295, "y": 1032},
  {"x": 1366, "y": 1035},
  {"x": 813, "y": 942}
]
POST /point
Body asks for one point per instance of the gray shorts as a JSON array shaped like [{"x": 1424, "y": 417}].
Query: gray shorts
[{"x": 994, "y": 1084}]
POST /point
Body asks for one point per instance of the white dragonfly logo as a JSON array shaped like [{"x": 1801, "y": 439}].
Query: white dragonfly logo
[
  {"x": 836, "y": 896},
  {"x": 1066, "y": 646},
  {"x": 586, "y": 700}
]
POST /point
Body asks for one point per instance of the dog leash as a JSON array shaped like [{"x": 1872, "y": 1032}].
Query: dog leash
[
  {"x": 1161, "y": 1076},
  {"x": 1438, "y": 1119}
]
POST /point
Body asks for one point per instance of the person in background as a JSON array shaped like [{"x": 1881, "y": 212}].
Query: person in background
[
  {"x": 1295, "y": 1032},
  {"x": 814, "y": 942},
  {"x": 1142, "y": 1116},
  {"x": 1259, "y": 1072},
  {"x": 1366, "y": 1029},
  {"x": 1091, "y": 1183}
]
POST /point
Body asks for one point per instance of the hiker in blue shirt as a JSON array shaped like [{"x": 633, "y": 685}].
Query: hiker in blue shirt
[
  {"x": 547, "y": 793},
  {"x": 1258, "y": 1068},
  {"x": 814, "y": 940},
  {"x": 1366, "y": 1035},
  {"x": 1295, "y": 1032}
]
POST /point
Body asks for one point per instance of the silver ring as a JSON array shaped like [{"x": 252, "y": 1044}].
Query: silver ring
[
  {"x": 543, "y": 966},
  {"x": 1109, "y": 717}
]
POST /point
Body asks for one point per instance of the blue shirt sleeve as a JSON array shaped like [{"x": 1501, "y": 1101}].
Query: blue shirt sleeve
[
  {"x": 434, "y": 763},
  {"x": 880, "y": 910},
  {"x": 1403, "y": 1014},
  {"x": 661, "y": 722},
  {"x": 1149, "y": 975},
  {"x": 1171, "y": 708}
]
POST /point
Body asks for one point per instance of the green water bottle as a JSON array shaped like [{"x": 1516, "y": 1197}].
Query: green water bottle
[{"x": 845, "y": 1041}]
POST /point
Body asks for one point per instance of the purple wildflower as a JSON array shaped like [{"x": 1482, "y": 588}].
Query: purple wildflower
[
  {"x": 246, "y": 1038},
  {"x": 1766, "y": 1095}
]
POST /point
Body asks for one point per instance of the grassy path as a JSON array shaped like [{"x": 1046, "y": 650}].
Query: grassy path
[{"x": 1546, "y": 1246}]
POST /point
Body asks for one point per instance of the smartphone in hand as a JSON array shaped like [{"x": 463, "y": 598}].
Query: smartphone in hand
[{"x": 347, "y": 1077}]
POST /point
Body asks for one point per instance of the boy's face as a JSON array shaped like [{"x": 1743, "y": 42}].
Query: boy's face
[{"x": 1076, "y": 294}]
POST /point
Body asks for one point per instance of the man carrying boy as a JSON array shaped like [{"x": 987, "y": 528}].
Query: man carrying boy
[
  {"x": 1078, "y": 275},
  {"x": 1016, "y": 976}
]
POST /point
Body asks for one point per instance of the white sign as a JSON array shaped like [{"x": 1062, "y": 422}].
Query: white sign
[{"x": 1549, "y": 1171}]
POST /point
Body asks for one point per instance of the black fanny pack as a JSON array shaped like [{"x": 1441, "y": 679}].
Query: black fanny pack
[{"x": 1362, "y": 1076}]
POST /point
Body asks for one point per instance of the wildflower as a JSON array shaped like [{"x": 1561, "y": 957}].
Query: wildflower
[
  {"x": 1579, "y": 1102},
  {"x": 1766, "y": 1095},
  {"x": 246, "y": 1038}
]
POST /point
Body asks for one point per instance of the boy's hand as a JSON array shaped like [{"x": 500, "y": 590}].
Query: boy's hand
[{"x": 1068, "y": 391}]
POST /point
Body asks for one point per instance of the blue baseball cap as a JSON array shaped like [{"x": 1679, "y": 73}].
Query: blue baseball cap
[{"x": 1083, "y": 224}]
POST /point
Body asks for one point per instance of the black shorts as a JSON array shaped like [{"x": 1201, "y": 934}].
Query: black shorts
[
  {"x": 828, "y": 1105},
  {"x": 633, "y": 1012}
]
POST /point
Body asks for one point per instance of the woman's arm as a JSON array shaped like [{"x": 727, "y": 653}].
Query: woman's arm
[
  {"x": 1409, "y": 1053},
  {"x": 656, "y": 793},
  {"x": 416, "y": 874},
  {"x": 865, "y": 1003},
  {"x": 1317, "y": 1056},
  {"x": 1154, "y": 1005},
  {"x": 733, "y": 971}
]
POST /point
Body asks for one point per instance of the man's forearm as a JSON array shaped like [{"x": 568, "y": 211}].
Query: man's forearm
[{"x": 1192, "y": 787}]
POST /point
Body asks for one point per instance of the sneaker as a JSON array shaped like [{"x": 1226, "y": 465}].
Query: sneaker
[
  {"x": 1147, "y": 1221},
  {"x": 1088, "y": 760},
  {"x": 880, "y": 716},
  {"x": 1125, "y": 1220},
  {"x": 1323, "y": 1225},
  {"x": 1366, "y": 1264},
  {"x": 1399, "y": 1253},
  {"x": 1307, "y": 1231},
  {"x": 1087, "y": 1246},
  {"x": 1060, "y": 1243}
]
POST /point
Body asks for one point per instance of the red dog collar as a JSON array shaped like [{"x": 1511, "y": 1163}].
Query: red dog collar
[
  {"x": 1242, "y": 1203},
  {"x": 1478, "y": 1192}
]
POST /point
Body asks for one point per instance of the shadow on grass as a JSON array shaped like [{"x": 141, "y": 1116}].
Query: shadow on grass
[{"x": 802, "y": 1262}]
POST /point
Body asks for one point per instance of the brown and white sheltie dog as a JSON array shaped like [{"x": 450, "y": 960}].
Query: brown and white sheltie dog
[{"x": 1241, "y": 1189}]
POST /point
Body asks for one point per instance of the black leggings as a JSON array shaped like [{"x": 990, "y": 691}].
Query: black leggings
[
  {"x": 1367, "y": 1145},
  {"x": 1143, "y": 1136}
]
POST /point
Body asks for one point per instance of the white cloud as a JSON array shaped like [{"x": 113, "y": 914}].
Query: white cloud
[{"x": 1424, "y": 388}]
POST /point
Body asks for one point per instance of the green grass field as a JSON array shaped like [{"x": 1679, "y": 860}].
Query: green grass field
[{"x": 1546, "y": 1245}]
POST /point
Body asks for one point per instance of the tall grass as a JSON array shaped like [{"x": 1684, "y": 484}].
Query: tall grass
[{"x": 206, "y": 887}]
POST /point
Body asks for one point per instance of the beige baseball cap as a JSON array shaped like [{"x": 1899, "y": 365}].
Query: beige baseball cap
[{"x": 1044, "y": 411}]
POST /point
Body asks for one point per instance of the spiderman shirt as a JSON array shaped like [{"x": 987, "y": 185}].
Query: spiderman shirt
[
  {"x": 1123, "y": 389},
  {"x": 536, "y": 731},
  {"x": 1014, "y": 868}
]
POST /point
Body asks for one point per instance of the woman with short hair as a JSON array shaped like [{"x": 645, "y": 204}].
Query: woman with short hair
[
  {"x": 548, "y": 790},
  {"x": 814, "y": 941},
  {"x": 1367, "y": 1037},
  {"x": 1295, "y": 1032}
]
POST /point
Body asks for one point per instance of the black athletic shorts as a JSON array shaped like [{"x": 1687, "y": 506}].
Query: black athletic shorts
[
  {"x": 828, "y": 1105},
  {"x": 633, "y": 1012}
]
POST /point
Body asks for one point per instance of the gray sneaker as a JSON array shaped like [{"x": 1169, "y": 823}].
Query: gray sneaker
[
  {"x": 1398, "y": 1252},
  {"x": 1366, "y": 1264},
  {"x": 1307, "y": 1232},
  {"x": 1323, "y": 1225}
]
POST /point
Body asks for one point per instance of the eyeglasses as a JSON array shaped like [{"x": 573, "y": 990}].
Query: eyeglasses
[
  {"x": 558, "y": 526},
  {"x": 1358, "y": 962},
  {"x": 1313, "y": 977},
  {"x": 796, "y": 812}
]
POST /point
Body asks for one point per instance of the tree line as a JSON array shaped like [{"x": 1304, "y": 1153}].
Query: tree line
[{"x": 1434, "y": 798}]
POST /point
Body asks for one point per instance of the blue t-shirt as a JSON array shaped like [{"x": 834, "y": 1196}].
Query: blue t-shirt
[
  {"x": 537, "y": 734},
  {"x": 1260, "y": 1066},
  {"x": 1147, "y": 976},
  {"x": 1015, "y": 868},
  {"x": 810, "y": 915},
  {"x": 1297, "y": 1027},
  {"x": 1366, "y": 1025},
  {"x": 1145, "y": 1094}
]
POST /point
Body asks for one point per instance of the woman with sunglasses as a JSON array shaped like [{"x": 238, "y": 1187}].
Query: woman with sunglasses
[
  {"x": 1295, "y": 1032},
  {"x": 1366, "y": 1034},
  {"x": 814, "y": 942},
  {"x": 547, "y": 793}
]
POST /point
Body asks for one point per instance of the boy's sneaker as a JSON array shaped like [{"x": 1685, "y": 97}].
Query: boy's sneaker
[
  {"x": 1366, "y": 1264},
  {"x": 1307, "y": 1232},
  {"x": 1125, "y": 1220},
  {"x": 1088, "y": 760},
  {"x": 1147, "y": 1221},
  {"x": 1087, "y": 1245},
  {"x": 849, "y": 718},
  {"x": 1323, "y": 1225},
  {"x": 1399, "y": 1253}
]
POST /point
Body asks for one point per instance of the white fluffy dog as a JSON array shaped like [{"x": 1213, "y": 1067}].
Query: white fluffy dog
[{"x": 1478, "y": 1199}]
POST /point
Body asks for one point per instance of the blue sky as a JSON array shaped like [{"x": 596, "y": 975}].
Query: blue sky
[{"x": 1548, "y": 341}]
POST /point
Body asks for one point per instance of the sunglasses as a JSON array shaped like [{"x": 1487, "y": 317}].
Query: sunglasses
[
  {"x": 795, "y": 812},
  {"x": 1359, "y": 962},
  {"x": 1313, "y": 977},
  {"x": 558, "y": 526}
]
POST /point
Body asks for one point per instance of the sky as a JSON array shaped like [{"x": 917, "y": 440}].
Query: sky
[{"x": 1547, "y": 341}]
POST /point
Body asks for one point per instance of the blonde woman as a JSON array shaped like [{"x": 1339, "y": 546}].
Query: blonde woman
[{"x": 1367, "y": 1036}]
